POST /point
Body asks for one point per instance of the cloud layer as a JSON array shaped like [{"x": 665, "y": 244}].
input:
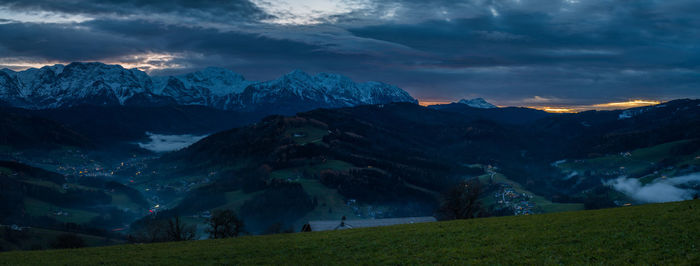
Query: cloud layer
[
  {"x": 663, "y": 190},
  {"x": 166, "y": 143},
  {"x": 579, "y": 52}
]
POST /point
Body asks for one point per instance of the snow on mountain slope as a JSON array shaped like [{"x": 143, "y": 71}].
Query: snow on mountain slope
[
  {"x": 79, "y": 83},
  {"x": 219, "y": 81},
  {"x": 33, "y": 78},
  {"x": 298, "y": 90},
  {"x": 101, "y": 84},
  {"x": 8, "y": 86},
  {"x": 477, "y": 103}
]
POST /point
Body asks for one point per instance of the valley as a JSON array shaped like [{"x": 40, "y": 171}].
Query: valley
[
  {"x": 364, "y": 162},
  {"x": 351, "y": 132}
]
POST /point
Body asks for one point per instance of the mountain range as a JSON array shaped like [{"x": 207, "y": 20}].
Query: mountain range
[
  {"x": 477, "y": 103},
  {"x": 308, "y": 147},
  {"x": 75, "y": 84},
  {"x": 380, "y": 160}
]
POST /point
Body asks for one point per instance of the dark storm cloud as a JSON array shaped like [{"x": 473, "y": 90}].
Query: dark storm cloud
[
  {"x": 213, "y": 9},
  {"x": 585, "y": 54},
  {"x": 506, "y": 51},
  {"x": 61, "y": 42},
  {"x": 255, "y": 55},
  {"x": 527, "y": 39}
]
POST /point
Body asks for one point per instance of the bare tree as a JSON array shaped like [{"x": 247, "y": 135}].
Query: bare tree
[
  {"x": 224, "y": 223},
  {"x": 154, "y": 231},
  {"x": 179, "y": 231},
  {"x": 68, "y": 240},
  {"x": 149, "y": 231},
  {"x": 462, "y": 201},
  {"x": 274, "y": 228}
]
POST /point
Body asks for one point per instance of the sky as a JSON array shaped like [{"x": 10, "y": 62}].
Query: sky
[{"x": 511, "y": 52}]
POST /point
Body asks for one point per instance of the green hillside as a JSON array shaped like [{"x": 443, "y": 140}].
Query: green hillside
[
  {"x": 649, "y": 234},
  {"x": 659, "y": 161},
  {"x": 31, "y": 196},
  {"x": 541, "y": 204},
  {"x": 41, "y": 238}
]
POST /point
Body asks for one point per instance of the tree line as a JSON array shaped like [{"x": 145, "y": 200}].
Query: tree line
[{"x": 221, "y": 224}]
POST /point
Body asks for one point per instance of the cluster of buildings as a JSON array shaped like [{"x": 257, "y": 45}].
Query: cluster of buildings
[
  {"x": 365, "y": 211},
  {"x": 90, "y": 171},
  {"x": 344, "y": 223},
  {"x": 80, "y": 163},
  {"x": 134, "y": 165},
  {"x": 519, "y": 203},
  {"x": 179, "y": 186},
  {"x": 59, "y": 212},
  {"x": 15, "y": 227}
]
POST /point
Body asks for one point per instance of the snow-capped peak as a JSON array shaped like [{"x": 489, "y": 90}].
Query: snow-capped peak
[
  {"x": 477, "y": 103},
  {"x": 219, "y": 81},
  {"x": 102, "y": 84},
  {"x": 297, "y": 74}
]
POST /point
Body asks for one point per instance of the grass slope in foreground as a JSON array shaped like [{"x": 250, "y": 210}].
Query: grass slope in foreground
[{"x": 648, "y": 234}]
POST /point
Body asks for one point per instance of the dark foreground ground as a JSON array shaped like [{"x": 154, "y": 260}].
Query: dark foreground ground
[{"x": 650, "y": 234}]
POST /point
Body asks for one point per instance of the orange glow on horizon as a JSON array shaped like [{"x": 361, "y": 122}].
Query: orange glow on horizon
[
  {"x": 627, "y": 104},
  {"x": 428, "y": 102},
  {"x": 599, "y": 106},
  {"x": 146, "y": 62},
  {"x": 556, "y": 109},
  {"x": 571, "y": 108}
]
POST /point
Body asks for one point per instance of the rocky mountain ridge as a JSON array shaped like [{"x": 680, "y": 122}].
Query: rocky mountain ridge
[{"x": 77, "y": 84}]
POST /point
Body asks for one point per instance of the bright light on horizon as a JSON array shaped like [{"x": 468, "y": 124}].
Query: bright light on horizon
[
  {"x": 16, "y": 65},
  {"x": 557, "y": 110},
  {"x": 432, "y": 102},
  {"x": 599, "y": 106},
  {"x": 146, "y": 62},
  {"x": 627, "y": 104},
  {"x": 568, "y": 108}
]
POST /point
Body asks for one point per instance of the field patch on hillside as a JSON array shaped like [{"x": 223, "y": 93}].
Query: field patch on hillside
[{"x": 39, "y": 208}]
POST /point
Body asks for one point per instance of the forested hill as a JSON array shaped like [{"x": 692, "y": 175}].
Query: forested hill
[
  {"x": 403, "y": 155},
  {"x": 19, "y": 130}
]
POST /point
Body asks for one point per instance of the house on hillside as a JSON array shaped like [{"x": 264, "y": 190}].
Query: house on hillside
[
  {"x": 15, "y": 227},
  {"x": 361, "y": 223}
]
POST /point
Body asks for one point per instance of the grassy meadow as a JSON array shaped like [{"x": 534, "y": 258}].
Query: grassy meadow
[{"x": 648, "y": 234}]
